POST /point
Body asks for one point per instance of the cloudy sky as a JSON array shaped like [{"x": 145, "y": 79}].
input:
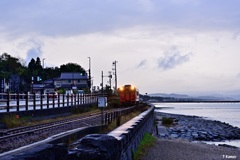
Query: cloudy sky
[{"x": 170, "y": 46}]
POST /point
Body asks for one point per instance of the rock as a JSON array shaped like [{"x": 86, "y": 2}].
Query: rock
[
  {"x": 195, "y": 135},
  {"x": 96, "y": 146},
  {"x": 174, "y": 135},
  {"x": 197, "y": 128}
]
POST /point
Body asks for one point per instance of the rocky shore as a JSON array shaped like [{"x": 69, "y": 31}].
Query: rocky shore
[
  {"x": 195, "y": 128},
  {"x": 175, "y": 142}
]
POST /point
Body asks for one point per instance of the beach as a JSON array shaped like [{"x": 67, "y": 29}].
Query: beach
[
  {"x": 184, "y": 139},
  {"x": 180, "y": 149}
]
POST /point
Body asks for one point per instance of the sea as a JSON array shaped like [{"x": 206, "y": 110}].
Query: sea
[{"x": 224, "y": 112}]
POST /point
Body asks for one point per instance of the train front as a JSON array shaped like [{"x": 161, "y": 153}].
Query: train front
[{"x": 128, "y": 95}]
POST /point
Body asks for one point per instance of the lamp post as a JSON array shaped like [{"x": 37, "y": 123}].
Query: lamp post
[
  {"x": 89, "y": 74},
  {"x": 43, "y": 62},
  {"x": 43, "y": 75}
]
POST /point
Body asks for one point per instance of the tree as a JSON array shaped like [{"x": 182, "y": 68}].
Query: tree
[
  {"x": 38, "y": 64},
  {"x": 35, "y": 68},
  {"x": 72, "y": 67},
  {"x": 32, "y": 65},
  {"x": 12, "y": 71},
  {"x": 9, "y": 63},
  {"x": 50, "y": 73}
]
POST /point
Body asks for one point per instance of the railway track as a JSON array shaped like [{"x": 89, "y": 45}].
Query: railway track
[
  {"x": 7, "y": 133},
  {"x": 17, "y": 137}
]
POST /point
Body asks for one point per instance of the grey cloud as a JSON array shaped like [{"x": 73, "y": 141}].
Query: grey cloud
[
  {"x": 60, "y": 17},
  {"x": 236, "y": 35},
  {"x": 171, "y": 60},
  {"x": 142, "y": 63},
  {"x": 238, "y": 75},
  {"x": 34, "y": 52}
]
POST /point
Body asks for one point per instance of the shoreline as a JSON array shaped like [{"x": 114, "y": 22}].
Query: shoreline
[
  {"x": 224, "y": 112},
  {"x": 179, "y": 149},
  {"x": 172, "y": 145},
  {"x": 194, "y": 128}
]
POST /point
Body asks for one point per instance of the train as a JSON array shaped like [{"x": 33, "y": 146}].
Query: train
[{"x": 128, "y": 95}]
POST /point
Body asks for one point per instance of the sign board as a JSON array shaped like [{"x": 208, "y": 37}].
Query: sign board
[
  {"x": 102, "y": 101},
  {"x": 2, "y": 85},
  {"x": 74, "y": 87}
]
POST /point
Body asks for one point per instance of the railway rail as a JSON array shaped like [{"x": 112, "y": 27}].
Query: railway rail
[{"x": 17, "y": 137}]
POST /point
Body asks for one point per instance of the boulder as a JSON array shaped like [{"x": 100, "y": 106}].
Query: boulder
[{"x": 96, "y": 146}]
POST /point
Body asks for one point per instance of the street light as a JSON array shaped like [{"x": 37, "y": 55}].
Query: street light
[
  {"x": 89, "y": 74},
  {"x": 43, "y": 62},
  {"x": 43, "y": 75}
]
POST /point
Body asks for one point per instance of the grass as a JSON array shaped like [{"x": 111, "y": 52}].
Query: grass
[
  {"x": 167, "y": 121},
  {"x": 147, "y": 141},
  {"x": 123, "y": 119},
  {"x": 12, "y": 121}
]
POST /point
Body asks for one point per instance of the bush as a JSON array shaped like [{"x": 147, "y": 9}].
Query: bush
[
  {"x": 167, "y": 121},
  {"x": 113, "y": 103},
  {"x": 12, "y": 121}
]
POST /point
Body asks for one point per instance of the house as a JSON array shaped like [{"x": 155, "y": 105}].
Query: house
[
  {"x": 67, "y": 81},
  {"x": 72, "y": 80}
]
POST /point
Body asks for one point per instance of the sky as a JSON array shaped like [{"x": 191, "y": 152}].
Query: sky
[{"x": 161, "y": 46}]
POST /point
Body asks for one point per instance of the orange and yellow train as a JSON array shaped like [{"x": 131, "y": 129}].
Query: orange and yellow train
[{"x": 128, "y": 95}]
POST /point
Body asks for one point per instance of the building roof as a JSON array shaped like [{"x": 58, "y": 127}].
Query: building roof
[{"x": 73, "y": 75}]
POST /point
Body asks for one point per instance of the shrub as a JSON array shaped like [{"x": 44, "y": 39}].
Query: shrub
[
  {"x": 167, "y": 121},
  {"x": 12, "y": 121}
]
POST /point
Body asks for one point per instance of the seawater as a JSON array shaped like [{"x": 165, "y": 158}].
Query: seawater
[{"x": 224, "y": 112}]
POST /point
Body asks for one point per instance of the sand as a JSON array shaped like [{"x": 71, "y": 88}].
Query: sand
[{"x": 179, "y": 149}]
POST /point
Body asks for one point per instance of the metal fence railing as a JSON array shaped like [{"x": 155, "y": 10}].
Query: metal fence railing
[{"x": 22, "y": 102}]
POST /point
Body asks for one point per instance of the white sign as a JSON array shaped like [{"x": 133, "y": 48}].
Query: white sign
[
  {"x": 74, "y": 87},
  {"x": 102, "y": 101}
]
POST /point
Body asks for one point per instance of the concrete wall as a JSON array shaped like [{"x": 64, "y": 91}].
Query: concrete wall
[
  {"x": 120, "y": 144},
  {"x": 131, "y": 136}
]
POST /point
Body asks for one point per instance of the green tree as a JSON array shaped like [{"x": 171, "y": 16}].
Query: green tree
[
  {"x": 12, "y": 70},
  {"x": 72, "y": 67},
  {"x": 32, "y": 65},
  {"x": 35, "y": 69},
  {"x": 50, "y": 73},
  {"x": 38, "y": 64},
  {"x": 9, "y": 65}
]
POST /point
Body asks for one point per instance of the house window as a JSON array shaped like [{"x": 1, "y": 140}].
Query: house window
[
  {"x": 83, "y": 82},
  {"x": 58, "y": 84}
]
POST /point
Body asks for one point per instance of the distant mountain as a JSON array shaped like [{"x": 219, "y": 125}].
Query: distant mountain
[
  {"x": 200, "y": 97},
  {"x": 172, "y": 95}
]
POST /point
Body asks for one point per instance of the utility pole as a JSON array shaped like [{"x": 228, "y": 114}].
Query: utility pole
[
  {"x": 102, "y": 76},
  {"x": 115, "y": 75},
  {"x": 102, "y": 117},
  {"x": 110, "y": 79},
  {"x": 102, "y": 83}
]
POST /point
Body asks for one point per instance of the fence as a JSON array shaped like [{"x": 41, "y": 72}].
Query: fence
[{"x": 24, "y": 102}]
